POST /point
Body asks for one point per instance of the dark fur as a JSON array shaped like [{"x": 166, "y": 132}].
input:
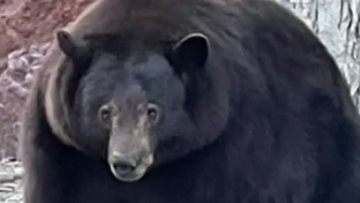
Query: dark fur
[{"x": 273, "y": 118}]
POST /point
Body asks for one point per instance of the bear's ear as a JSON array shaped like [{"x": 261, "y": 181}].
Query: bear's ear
[
  {"x": 190, "y": 53},
  {"x": 66, "y": 44},
  {"x": 79, "y": 52}
]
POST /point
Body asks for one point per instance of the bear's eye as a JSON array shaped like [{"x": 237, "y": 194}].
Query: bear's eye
[
  {"x": 105, "y": 114},
  {"x": 153, "y": 112}
]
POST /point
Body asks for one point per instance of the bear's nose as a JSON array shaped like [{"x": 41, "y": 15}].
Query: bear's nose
[{"x": 123, "y": 164}]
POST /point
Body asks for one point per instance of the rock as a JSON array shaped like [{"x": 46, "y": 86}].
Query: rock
[
  {"x": 5, "y": 177},
  {"x": 15, "y": 83},
  {"x": 11, "y": 172}
]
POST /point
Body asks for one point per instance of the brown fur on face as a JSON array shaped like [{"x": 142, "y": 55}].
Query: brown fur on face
[{"x": 130, "y": 140}]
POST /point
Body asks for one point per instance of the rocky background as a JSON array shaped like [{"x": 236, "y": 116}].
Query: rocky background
[{"x": 26, "y": 31}]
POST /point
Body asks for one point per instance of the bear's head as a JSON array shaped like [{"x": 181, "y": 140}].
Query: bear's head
[{"x": 134, "y": 108}]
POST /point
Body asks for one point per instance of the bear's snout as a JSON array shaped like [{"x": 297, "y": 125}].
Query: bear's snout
[
  {"x": 129, "y": 157},
  {"x": 129, "y": 167}
]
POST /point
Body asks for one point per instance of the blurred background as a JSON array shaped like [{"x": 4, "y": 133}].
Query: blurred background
[{"x": 26, "y": 31}]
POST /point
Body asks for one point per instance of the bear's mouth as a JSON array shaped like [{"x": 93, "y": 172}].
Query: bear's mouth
[{"x": 126, "y": 174}]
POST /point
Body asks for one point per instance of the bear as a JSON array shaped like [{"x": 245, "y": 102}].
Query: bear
[{"x": 192, "y": 101}]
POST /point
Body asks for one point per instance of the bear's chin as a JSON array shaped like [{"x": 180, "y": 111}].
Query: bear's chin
[{"x": 129, "y": 177}]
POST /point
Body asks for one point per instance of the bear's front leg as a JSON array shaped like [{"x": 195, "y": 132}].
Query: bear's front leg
[
  {"x": 49, "y": 176},
  {"x": 50, "y": 167}
]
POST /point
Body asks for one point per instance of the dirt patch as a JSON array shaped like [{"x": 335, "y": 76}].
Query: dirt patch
[{"x": 25, "y": 22}]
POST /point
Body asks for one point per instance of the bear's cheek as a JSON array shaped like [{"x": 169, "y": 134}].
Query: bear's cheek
[
  {"x": 174, "y": 137},
  {"x": 92, "y": 137}
]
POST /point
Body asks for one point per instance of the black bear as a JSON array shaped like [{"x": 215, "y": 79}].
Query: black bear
[{"x": 191, "y": 101}]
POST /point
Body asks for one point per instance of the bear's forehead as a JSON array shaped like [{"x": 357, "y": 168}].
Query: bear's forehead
[
  {"x": 154, "y": 73},
  {"x": 131, "y": 99},
  {"x": 145, "y": 77},
  {"x": 132, "y": 92},
  {"x": 152, "y": 76},
  {"x": 148, "y": 65}
]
